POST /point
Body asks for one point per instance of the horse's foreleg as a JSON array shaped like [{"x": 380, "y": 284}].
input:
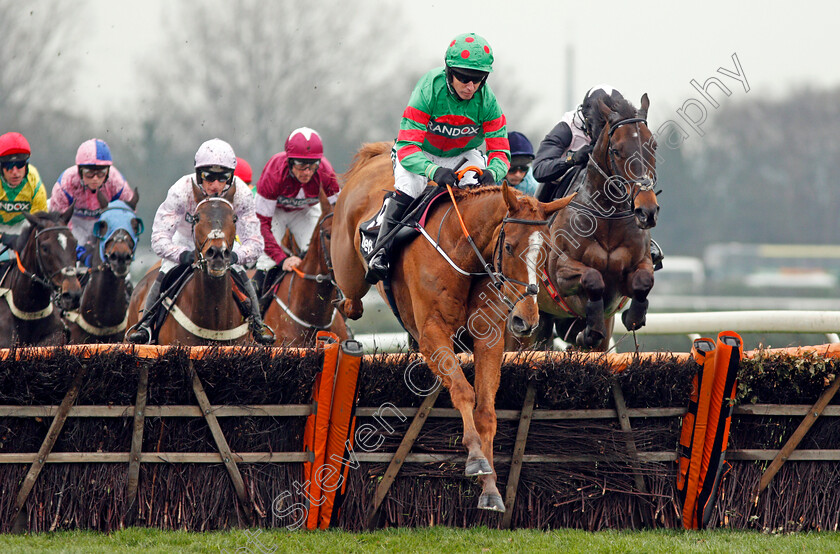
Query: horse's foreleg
[
  {"x": 436, "y": 347},
  {"x": 488, "y": 361},
  {"x": 639, "y": 283},
  {"x": 593, "y": 286}
]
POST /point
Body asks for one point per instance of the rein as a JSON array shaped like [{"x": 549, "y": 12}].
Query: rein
[
  {"x": 497, "y": 277},
  {"x": 642, "y": 185},
  {"x": 47, "y": 282},
  {"x": 325, "y": 253},
  {"x": 318, "y": 278}
]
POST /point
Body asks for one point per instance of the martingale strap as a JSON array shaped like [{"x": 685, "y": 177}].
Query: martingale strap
[
  {"x": 79, "y": 319},
  {"x": 20, "y": 314},
  {"x": 301, "y": 322},
  {"x": 208, "y": 334},
  {"x": 561, "y": 301}
]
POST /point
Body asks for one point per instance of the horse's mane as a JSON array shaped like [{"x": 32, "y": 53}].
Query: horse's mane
[
  {"x": 49, "y": 216},
  {"x": 624, "y": 108},
  {"x": 368, "y": 151},
  {"x": 472, "y": 192}
]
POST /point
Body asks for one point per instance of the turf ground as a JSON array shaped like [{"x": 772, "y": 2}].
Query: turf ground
[{"x": 419, "y": 540}]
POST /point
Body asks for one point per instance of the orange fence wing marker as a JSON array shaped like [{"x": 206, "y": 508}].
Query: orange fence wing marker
[
  {"x": 339, "y": 452},
  {"x": 703, "y": 351},
  {"x": 317, "y": 426},
  {"x": 728, "y": 357}
]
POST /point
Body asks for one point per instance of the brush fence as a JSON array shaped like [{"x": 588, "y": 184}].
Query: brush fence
[{"x": 211, "y": 438}]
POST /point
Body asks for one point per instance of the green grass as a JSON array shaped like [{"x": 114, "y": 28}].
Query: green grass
[{"x": 418, "y": 540}]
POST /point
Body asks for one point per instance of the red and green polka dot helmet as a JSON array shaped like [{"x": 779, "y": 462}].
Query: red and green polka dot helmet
[{"x": 470, "y": 51}]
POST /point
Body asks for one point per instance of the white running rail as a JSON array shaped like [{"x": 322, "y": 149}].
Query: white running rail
[{"x": 692, "y": 324}]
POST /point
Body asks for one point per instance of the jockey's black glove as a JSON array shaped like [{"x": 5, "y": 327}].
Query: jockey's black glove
[
  {"x": 187, "y": 257},
  {"x": 487, "y": 178},
  {"x": 445, "y": 176},
  {"x": 234, "y": 257},
  {"x": 580, "y": 157}
]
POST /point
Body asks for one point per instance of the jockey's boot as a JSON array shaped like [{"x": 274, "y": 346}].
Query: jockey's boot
[
  {"x": 259, "y": 286},
  {"x": 142, "y": 333},
  {"x": 260, "y": 331},
  {"x": 656, "y": 254},
  {"x": 392, "y": 212}
]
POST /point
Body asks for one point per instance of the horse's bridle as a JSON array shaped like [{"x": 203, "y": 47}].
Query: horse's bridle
[
  {"x": 531, "y": 289},
  {"x": 638, "y": 185},
  {"x": 116, "y": 239},
  {"x": 67, "y": 271},
  {"x": 318, "y": 278},
  {"x": 494, "y": 272},
  {"x": 325, "y": 253},
  {"x": 192, "y": 219}
]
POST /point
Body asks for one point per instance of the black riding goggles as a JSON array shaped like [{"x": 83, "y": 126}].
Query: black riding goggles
[
  {"x": 211, "y": 176},
  {"x": 16, "y": 164},
  {"x": 465, "y": 77},
  {"x": 519, "y": 169},
  {"x": 306, "y": 164}
]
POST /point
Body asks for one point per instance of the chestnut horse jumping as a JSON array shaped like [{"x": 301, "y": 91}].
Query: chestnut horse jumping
[
  {"x": 205, "y": 311},
  {"x": 302, "y": 301},
  {"x": 40, "y": 277},
  {"x": 442, "y": 290},
  {"x": 600, "y": 253}
]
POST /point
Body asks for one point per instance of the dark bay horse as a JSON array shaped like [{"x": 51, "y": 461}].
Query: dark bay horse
[
  {"x": 600, "y": 248},
  {"x": 205, "y": 311},
  {"x": 438, "y": 298},
  {"x": 41, "y": 277},
  {"x": 302, "y": 301},
  {"x": 103, "y": 314}
]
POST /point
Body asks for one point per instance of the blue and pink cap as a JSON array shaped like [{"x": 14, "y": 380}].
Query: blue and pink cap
[{"x": 94, "y": 152}]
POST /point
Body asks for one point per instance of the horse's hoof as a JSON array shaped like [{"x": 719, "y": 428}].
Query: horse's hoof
[
  {"x": 492, "y": 502},
  {"x": 631, "y": 323},
  {"x": 351, "y": 310},
  {"x": 478, "y": 466},
  {"x": 588, "y": 338}
]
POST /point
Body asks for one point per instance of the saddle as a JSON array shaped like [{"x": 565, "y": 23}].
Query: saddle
[{"x": 416, "y": 216}]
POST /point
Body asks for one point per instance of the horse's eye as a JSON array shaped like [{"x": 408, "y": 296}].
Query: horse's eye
[
  {"x": 615, "y": 152},
  {"x": 509, "y": 249}
]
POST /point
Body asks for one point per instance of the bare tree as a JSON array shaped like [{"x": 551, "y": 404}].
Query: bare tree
[
  {"x": 35, "y": 67},
  {"x": 251, "y": 71}
]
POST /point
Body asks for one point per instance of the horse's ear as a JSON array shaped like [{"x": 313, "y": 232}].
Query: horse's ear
[
  {"x": 559, "y": 204},
  {"x": 31, "y": 219},
  {"x": 135, "y": 198},
  {"x": 643, "y": 111},
  {"x": 326, "y": 207},
  {"x": 198, "y": 193},
  {"x": 100, "y": 196},
  {"x": 509, "y": 195},
  {"x": 67, "y": 214},
  {"x": 231, "y": 192},
  {"x": 604, "y": 109},
  {"x": 608, "y": 113},
  {"x": 137, "y": 225},
  {"x": 100, "y": 229}
]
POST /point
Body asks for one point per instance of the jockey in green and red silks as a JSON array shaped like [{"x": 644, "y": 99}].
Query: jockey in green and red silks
[{"x": 451, "y": 112}]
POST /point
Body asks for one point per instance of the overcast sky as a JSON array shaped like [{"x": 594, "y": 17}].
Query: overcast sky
[{"x": 641, "y": 46}]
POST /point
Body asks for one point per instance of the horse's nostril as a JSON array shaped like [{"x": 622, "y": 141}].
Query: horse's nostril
[{"x": 518, "y": 324}]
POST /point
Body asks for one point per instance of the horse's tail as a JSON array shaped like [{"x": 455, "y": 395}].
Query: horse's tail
[{"x": 367, "y": 152}]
